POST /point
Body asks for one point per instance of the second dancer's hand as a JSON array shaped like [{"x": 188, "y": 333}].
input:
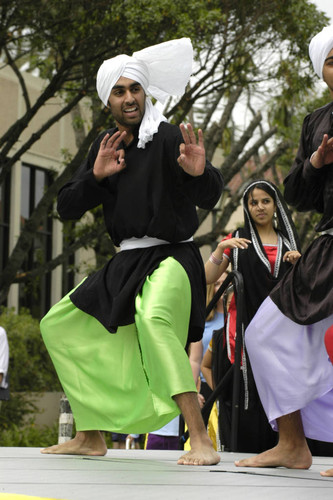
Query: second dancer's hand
[{"x": 324, "y": 154}]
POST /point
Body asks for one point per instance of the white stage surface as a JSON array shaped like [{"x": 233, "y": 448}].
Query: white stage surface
[{"x": 138, "y": 474}]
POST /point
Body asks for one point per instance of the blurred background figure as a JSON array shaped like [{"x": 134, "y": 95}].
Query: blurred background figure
[
  {"x": 118, "y": 441},
  {"x": 133, "y": 441},
  {"x": 166, "y": 438},
  {"x": 126, "y": 441},
  {"x": 223, "y": 335},
  {"x": 4, "y": 362},
  {"x": 197, "y": 350},
  {"x": 214, "y": 321}
]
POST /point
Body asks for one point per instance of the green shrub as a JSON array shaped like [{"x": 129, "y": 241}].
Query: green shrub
[
  {"x": 30, "y": 367},
  {"x": 15, "y": 411},
  {"x": 29, "y": 435}
]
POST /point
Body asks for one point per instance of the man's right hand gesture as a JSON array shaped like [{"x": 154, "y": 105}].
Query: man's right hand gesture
[{"x": 109, "y": 160}]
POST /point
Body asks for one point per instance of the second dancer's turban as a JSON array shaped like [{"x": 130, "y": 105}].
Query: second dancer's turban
[{"x": 319, "y": 48}]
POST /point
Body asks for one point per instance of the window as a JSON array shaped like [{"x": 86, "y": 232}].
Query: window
[
  {"x": 4, "y": 221},
  {"x": 35, "y": 295}
]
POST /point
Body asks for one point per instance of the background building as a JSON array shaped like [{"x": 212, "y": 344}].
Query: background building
[{"x": 23, "y": 189}]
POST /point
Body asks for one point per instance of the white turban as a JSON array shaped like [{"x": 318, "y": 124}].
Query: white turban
[
  {"x": 319, "y": 48},
  {"x": 162, "y": 70}
]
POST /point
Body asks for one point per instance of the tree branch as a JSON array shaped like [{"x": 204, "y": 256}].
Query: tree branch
[
  {"x": 19, "y": 77},
  {"x": 6, "y": 166},
  {"x": 27, "y": 234}
]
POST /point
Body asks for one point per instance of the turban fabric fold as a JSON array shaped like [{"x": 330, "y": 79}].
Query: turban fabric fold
[
  {"x": 163, "y": 70},
  {"x": 319, "y": 48}
]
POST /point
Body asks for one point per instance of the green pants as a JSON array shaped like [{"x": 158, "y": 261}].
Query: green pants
[{"x": 124, "y": 382}]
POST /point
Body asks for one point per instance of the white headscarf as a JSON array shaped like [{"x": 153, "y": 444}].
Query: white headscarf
[
  {"x": 319, "y": 48},
  {"x": 162, "y": 70}
]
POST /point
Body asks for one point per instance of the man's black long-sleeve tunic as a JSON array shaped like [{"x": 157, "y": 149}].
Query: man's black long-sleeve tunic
[
  {"x": 305, "y": 294},
  {"x": 307, "y": 187},
  {"x": 152, "y": 197}
]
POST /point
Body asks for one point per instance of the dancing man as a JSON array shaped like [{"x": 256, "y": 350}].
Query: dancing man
[
  {"x": 285, "y": 339},
  {"x": 118, "y": 340}
]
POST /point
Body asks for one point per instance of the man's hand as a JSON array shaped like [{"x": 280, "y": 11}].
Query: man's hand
[
  {"x": 192, "y": 157},
  {"x": 109, "y": 160},
  {"x": 324, "y": 154}
]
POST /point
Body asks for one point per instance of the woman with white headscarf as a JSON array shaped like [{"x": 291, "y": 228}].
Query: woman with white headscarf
[{"x": 285, "y": 339}]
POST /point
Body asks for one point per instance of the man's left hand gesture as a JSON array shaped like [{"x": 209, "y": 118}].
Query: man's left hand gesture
[{"x": 192, "y": 157}]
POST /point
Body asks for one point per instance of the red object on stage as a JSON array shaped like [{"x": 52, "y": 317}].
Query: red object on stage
[{"x": 329, "y": 342}]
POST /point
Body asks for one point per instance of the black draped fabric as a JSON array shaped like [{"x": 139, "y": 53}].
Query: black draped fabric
[
  {"x": 305, "y": 295},
  {"x": 151, "y": 197},
  {"x": 258, "y": 279},
  {"x": 255, "y": 434}
]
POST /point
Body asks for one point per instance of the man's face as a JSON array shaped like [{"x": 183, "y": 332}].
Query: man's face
[
  {"x": 127, "y": 102},
  {"x": 328, "y": 71}
]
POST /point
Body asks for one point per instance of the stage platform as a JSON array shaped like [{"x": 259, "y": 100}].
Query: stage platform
[{"x": 147, "y": 475}]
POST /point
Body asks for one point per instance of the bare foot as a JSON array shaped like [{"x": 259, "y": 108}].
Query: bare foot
[
  {"x": 280, "y": 456},
  {"x": 327, "y": 473},
  {"x": 202, "y": 454},
  {"x": 84, "y": 443}
]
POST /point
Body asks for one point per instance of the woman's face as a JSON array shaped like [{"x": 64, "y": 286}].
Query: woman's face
[{"x": 261, "y": 207}]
